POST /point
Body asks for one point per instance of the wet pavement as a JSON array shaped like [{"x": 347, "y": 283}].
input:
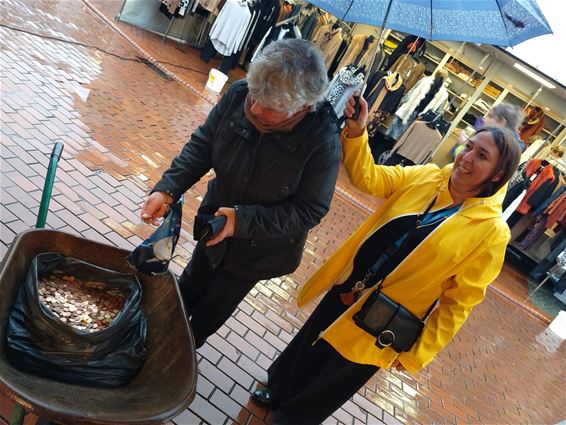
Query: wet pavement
[{"x": 122, "y": 122}]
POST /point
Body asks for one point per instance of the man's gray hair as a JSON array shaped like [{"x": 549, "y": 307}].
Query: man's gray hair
[{"x": 287, "y": 75}]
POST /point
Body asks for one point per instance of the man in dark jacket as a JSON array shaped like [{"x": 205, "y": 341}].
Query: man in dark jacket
[{"x": 275, "y": 151}]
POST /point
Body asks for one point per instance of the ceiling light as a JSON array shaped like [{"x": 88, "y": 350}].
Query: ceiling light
[{"x": 533, "y": 75}]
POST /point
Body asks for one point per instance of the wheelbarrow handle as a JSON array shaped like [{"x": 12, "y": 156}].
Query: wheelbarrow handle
[{"x": 48, "y": 186}]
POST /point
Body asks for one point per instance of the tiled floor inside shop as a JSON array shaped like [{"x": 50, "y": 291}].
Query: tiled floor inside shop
[{"x": 122, "y": 122}]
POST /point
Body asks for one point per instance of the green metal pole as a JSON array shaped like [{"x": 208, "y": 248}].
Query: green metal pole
[
  {"x": 18, "y": 415},
  {"x": 48, "y": 186}
]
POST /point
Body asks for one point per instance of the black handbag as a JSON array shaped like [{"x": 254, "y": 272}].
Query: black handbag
[{"x": 389, "y": 322}]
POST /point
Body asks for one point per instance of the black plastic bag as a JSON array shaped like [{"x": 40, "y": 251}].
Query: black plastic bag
[
  {"x": 153, "y": 255},
  {"x": 38, "y": 342}
]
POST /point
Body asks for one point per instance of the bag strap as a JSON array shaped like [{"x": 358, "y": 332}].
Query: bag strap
[{"x": 393, "y": 251}]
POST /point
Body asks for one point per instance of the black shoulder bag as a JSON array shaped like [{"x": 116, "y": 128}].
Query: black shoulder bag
[{"x": 388, "y": 321}]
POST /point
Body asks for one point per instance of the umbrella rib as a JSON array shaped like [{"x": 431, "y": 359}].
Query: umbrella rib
[
  {"x": 504, "y": 23},
  {"x": 347, "y": 10},
  {"x": 430, "y": 38}
]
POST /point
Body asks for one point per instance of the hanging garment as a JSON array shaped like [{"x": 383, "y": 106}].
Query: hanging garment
[
  {"x": 355, "y": 46},
  {"x": 387, "y": 94},
  {"x": 537, "y": 187},
  {"x": 329, "y": 42},
  {"x": 230, "y": 27},
  {"x": 174, "y": 8},
  {"x": 418, "y": 142},
  {"x": 556, "y": 211},
  {"x": 338, "y": 58},
  {"x": 277, "y": 33},
  {"x": 534, "y": 235},
  {"x": 383, "y": 101},
  {"x": 364, "y": 57},
  {"x": 268, "y": 12},
  {"x": 210, "y": 5},
  {"x": 342, "y": 86},
  {"x": 309, "y": 26},
  {"x": 410, "y": 44},
  {"x": 533, "y": 123},
  {"x": 428, "y": 95},
  {"x": 410, "y": 69},
  {"x": 421, "y": 91},
  {"x": 514, "y": 203},
  {"x": 230, "y": 62},
  {"x": 320, "y": 30},
  {"x": 413, "y": 97},
  {"x": 542, "y": 207}
]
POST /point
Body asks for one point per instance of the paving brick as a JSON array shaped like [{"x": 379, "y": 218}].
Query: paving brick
[
  {"x": 187, "y": 418},
  {"x": 262, "y": 345},
  {"x": 22, "y": 213},
  {"x": 207, "y": 411},
  {"x": 6, "y": 234},
  {"x": 224, "y": 347},
  {"x": 21, "y": 181},
  {"x": 236, "y": 373},
  {"x": 252, "y": 368},
  {"x": 368, "y": 406},
  {"x": 229, "y": 406},
  {"x": 214, "y": 375},
  {"x": 204, "y": 387},
  {"x": 242, "y": 345},
  {"x": 242, "y": 396},
  {"x": 236, "y": 326},
  {"x": 210, "y": 353}
]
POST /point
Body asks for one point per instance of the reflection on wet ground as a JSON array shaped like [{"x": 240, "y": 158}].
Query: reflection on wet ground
[{"x": 122, "y": 123}]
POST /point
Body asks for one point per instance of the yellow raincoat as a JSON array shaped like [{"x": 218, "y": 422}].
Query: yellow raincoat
[{"x": 454, "y": 264}]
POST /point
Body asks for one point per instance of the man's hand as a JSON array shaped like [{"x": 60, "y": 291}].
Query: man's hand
[
  {"x": 155, "y": 207},
  {"x": 397, "y": 365},
  {"x": 356, "y": 128},
  {"x": 228, "y": 229}
]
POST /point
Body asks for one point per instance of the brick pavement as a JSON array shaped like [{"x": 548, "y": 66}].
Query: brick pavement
[{"x": 121, "y": 123}]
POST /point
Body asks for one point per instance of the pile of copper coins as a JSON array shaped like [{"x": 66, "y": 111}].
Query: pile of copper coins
[{"x": 85, "y": 305}]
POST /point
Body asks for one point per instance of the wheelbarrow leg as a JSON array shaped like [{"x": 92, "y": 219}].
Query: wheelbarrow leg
[{"x": 18, "y": 415}]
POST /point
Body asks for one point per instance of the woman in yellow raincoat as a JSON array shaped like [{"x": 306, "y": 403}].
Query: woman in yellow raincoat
[{"x": 439, "y": 238}]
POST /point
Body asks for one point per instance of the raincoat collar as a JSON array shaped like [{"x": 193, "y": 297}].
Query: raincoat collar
[{"x": 474, "y": 207}]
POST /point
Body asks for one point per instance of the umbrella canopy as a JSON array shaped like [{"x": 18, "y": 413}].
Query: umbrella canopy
[{"x": 497, "y": 22}]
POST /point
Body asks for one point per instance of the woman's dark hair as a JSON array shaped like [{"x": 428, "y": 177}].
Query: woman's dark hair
[{"x": 509, "y": 156}]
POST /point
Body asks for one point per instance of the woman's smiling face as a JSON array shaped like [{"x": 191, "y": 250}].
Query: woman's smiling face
[{"x": 475, "y": 164}]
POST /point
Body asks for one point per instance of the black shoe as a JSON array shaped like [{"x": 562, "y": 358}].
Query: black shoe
[{"x": 263, "y": 397}]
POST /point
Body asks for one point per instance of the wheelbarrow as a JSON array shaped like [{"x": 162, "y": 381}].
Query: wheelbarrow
[{"x": 162, "y": 389}]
